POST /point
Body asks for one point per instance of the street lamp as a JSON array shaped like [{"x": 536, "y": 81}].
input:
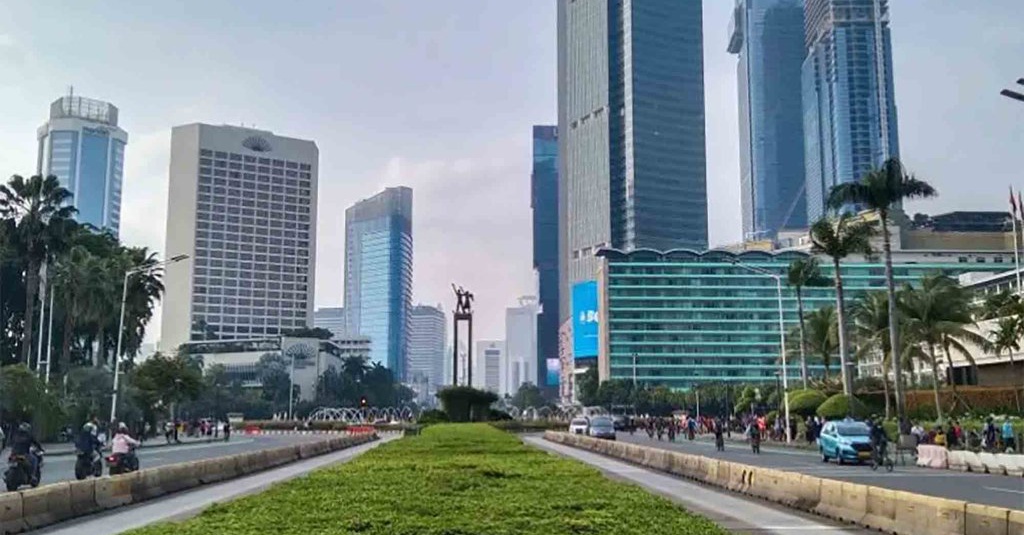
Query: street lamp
[
  {"x": 1013, "y": 94},
  {"x": 782, "y": 336},
  {"x": 120, "y": 330}
]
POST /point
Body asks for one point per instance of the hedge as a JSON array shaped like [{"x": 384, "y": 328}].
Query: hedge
[
  {"x": 534, "y": 426},
  {"x": 805, "y": 402},
  {"x": 453, "y": 479},
  {"x": 840, "y": 406}
]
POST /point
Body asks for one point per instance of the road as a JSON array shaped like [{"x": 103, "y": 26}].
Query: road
[
  {"x": 738, "y": 514},
  {"x": 62, "y": 467},
  {"x": 183, "y": 505},
  {"x": 995, "y": 490}
]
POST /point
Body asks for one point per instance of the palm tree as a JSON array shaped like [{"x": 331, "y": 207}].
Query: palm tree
[
  {"x": 43, "y": 218},
  {"x": 822, "y": 335},
  {"x": 937, "y": 315},
  {"x": 1006, "y": 337},
  {"x": 881, "y": 190},
  {"x": 804, "y": 272},
  {"x": 838, "y": 238},
  {"x": 871, "y": 330},
  {"x": 999, "y": 305}
]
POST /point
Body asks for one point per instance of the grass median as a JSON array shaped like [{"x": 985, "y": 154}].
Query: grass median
[{"x": 454, "y": 479}]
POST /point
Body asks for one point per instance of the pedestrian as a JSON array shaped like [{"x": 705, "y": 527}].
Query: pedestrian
[
  {"x": 988, "y": 435},
  {"x": 1009, "y": 439},
  {"x": 939, "y": 438}
]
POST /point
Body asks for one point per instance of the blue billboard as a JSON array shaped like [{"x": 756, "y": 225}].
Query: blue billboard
[
  {"x": 585, "y": 319},
  {"x": 554, "y": 370}
]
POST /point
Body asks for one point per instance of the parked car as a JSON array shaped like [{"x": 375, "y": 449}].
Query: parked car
[
  {"x": 620, "y": 422},
  {"x": 578, "y": 426},
  {"x": 601, "y": 427},
  {"x": 845, "y": 441}
]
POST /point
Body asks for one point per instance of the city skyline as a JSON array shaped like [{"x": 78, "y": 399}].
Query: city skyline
[{"x": 942, "y": 139}]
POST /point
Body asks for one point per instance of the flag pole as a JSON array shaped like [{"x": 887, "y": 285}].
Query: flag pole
[{"x": 1016, "y": 243}]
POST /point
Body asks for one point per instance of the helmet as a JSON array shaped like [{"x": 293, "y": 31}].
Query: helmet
[
  {"x": 25, "y": 426},
  {"x": 89, "y": 428},
  {"x": 122, "y": 427}
]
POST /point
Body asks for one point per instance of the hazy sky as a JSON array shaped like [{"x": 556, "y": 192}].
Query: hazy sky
[{"x": 440, "y": 95}]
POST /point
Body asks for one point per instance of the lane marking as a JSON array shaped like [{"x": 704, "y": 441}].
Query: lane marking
[{"x": 997, "y": 489}]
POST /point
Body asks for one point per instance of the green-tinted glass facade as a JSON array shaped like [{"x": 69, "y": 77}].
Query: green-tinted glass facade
[{"x": 693, "y": 318}]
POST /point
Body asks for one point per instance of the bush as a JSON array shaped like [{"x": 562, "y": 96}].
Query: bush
[
  {"x": 805, "y": 402},
  {"x": 499, "y": 416},
  {"x": 465, "y": 404},
  {"x": 840, "y": 406},
  {"x": 453, "y": 478},
  {"x": 532, "y": 426},
  {"x": 433, "y": 416}
]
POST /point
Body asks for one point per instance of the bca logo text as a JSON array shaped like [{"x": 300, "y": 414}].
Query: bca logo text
[{"x": 588, "y": 316}]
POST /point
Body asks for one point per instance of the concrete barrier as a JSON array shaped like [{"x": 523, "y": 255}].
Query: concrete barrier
[
  {"x": 931, "y": 456},
  {"x": 46, "y": 505},
  {"x": 1010, "y": 463},
  {"x": 958, "y": 460},
  {"x": 925, "y": 514},
  {"x": 973, "y": 462},
  {"x": 115, "y": 491},
  {"x": 985, "y": 520},
  {"x": 880, "y": 512},
  {"x": 11, "y": 518},
  {"x": 1015, "y": 523},
  {"x": 83, "y": 497},
  {"x": 988, "y": 460}
]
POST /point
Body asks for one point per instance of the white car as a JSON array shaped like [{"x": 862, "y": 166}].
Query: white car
[{"x": 579, "y": 426}]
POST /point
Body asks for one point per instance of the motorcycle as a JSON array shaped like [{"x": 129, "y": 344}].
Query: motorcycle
[
  {"x": 122, "y": 463},
  {"x": 19, "y": 471},
  {"x": 87, "y": 464}
]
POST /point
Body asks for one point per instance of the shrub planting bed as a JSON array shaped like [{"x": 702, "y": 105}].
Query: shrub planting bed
[{"x": 454, "y": 479}]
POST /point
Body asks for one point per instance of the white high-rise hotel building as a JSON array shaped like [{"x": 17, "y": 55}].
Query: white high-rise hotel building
[{"x": 242, "y": 203}]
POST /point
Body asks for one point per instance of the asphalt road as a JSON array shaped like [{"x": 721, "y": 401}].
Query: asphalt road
[
  {"x": 1000, "y": 491},
  {"x": 62, "y": 467}
]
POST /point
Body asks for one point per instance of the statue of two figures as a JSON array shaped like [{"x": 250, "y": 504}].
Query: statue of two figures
[{"x": 464, "y": 301}]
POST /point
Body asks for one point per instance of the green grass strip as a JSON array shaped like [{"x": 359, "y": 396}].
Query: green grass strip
[{"x": 454, "y": 479}]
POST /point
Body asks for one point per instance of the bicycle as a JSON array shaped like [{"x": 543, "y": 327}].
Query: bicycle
[{"x": 881, "y": 458}]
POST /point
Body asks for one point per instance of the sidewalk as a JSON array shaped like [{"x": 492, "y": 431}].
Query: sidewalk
[{"x": 68, "y": 448}]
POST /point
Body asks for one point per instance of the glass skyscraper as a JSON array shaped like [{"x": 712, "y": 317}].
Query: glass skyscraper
[
  {"x": 850, "y": 122},
  {"x": 82, "y": 145},
  {"x": 378, "y": 274},
  {"x": 544, "y": 201},
  {"x": 768, "y": 38},
  {"x": 426, "y": 349},
  {"x": 632, "y": 169}
]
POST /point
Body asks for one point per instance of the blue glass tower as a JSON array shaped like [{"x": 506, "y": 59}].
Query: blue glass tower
[
  {"x": 82, "y": 145},
  {"x": 378, "y": 274},
  {"x": 850, "y": 122},
  {"x": 632, "y": 165},
  {"x": 544, "y": 201},
  {"x": 768, "y": 38}
]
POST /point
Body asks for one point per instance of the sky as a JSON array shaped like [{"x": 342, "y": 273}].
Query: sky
[{"x": 441, "y": 96}]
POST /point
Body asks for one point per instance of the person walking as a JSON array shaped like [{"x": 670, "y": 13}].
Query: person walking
[
  {"x": 1009, "y": 438},
  {"x": 988, "y": 435}
]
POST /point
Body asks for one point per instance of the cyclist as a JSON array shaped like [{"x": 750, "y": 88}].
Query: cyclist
[{"x": 879, "y": 441}]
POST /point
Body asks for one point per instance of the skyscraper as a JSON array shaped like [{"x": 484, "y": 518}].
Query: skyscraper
[
  {"x": 544, "y": 202},
  {"x": 768, "y": 37},
  {"x": 378, "y": 274},
  {"x": 242, "y": 203},
  {"x": 83, "y": 146},
  {"x": 631, "y": 150},
  {"x": 426, "y": 348},
  {"x": 850, "y": 123},
  {"x": 521, "y": 330},
  {"x": 332, "y": 319},
  {"x": 489, "y": 357}
]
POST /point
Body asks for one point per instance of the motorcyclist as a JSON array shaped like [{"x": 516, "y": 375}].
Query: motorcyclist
[
  {"x": 879, "y": 441},
  {"x": 87, "y": 441},
  {"x": 123, "y": 443},
  {"x": 22, "y": 443}
]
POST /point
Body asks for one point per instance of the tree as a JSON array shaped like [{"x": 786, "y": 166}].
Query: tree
[
  {"x": 937, "y": 315},
  {"x": 1006, "y": 337},
  {"x": 881, "y": 190},
  {"x": 871, "y": 330},
  {"x": 838, "y": 238},
  {"x": 163, "y": 381},
  {"x": 822, "y": 335},
  {"x": 275, "y": 379},
  {"x": 587, "y": 384},
  {"x": 528, "y": 395},
  {"x": 42, "y": 214},
  {"x": 316, "y": 332},
  {"x": 1001, "y": 304},
  {"x": 804, "y": 272}
]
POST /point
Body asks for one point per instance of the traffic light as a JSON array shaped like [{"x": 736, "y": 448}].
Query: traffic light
[{"x": 362, "y": 401}]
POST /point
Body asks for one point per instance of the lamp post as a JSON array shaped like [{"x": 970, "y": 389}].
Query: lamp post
[
  {"x": 120, "y": 328},
  {"x": 782, "y": 336},
  {"x": 1009, "y": 93},
  {"x": 634, "y": 369}
]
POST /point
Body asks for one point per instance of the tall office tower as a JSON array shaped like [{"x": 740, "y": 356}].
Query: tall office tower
[
  {"x": 242, "y": 203},
  {"x": 83, "y": 146},
  {"x": 850, "y": 123},
  {"x": 488, "y": 359},
  {"x": 631, "y": 151},
  {"x": 426, "y": 351},
  {"x": 768, "y": 37},
  {"x": 544, "y": 202},
  {"x": 332, "y": 319},
  {"x": 378, "y": 274},
  {"x": 522, "y": 327}
]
